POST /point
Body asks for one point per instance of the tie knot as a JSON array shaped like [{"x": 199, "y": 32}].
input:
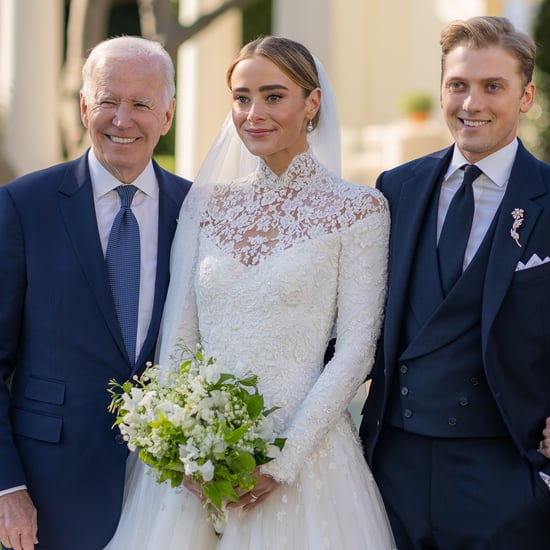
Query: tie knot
[
  {"x": 126, "y": 194},
  {"x": 471, "y": 173}
]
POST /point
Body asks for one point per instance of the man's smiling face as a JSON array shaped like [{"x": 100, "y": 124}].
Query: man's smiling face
[
  {"x": 126, "y": 114},
  {"x": 482, "y": 96}
]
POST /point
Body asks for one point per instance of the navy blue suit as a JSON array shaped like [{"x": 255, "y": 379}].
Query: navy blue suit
[
  {"x": 60, "y": 343},
  {"x": 513, "y": 356}
]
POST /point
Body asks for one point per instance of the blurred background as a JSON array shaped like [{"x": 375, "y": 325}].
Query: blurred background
[{"x": 382, "y": 57}]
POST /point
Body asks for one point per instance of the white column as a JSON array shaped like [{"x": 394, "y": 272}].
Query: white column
[
  {"x": 31, "y": 40},
  {"x": 203, "y": 98},
  {"x": 309, "y": 22}
]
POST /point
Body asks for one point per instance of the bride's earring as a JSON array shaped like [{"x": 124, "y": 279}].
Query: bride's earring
[{"x": 309, "y": 126}]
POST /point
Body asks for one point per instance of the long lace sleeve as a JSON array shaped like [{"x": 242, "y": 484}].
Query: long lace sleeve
[{"x": 361, "y": 296}]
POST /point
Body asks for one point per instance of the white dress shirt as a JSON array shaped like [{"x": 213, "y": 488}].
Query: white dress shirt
[
  {"x": 145, "y": 207},
  {"x": 489, "y": 188}
]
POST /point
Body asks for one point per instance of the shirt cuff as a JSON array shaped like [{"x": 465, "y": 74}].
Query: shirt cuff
[{"x": 12, "y": 490}]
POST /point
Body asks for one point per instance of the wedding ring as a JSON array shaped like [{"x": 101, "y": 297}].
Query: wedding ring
[{"x": 253, "y": 497}]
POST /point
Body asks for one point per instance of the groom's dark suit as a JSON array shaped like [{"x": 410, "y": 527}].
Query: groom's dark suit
[
  {"x": 61, "y": 343},
  {"x": 471, "y": 369}
]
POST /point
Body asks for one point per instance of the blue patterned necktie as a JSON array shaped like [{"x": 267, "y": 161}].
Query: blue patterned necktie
[
  {"x": 456, "y": 229},
  {"x": 123, "y": 264}
]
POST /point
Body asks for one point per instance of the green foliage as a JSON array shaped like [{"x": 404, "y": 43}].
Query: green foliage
[
  {"x": 417, "y": 101},
  {"x": 540, "y": 114},
  {"x": 542, "y": 36},
  {"x": 168, "y": 162},
  {"x": 124, "y": 19},
  {"x": 256, "y": 20}
]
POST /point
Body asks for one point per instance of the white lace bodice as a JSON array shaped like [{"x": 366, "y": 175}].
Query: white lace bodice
[
  {"x": 280, "y": 260},
  {"x": 258, "y": 216}
]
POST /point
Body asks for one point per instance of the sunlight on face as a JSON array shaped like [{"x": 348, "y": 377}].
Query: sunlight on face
[
  {"x": 126, "y": 115},
  {"x": 270, "y": 111},
  {"x": 482, "y": 96}
]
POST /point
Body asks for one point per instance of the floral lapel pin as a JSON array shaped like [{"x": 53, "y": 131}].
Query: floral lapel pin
[{"x": 517, "y": 214}]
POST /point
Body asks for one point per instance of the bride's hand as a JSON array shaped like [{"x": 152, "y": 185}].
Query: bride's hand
[
  {"x": 248, "y": 500},
  {"x": 193, "y": 487}
]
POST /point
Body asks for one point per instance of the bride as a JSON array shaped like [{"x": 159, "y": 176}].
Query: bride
[{"x": 274, "y": 252}]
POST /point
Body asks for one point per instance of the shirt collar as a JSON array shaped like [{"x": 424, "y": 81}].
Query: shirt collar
[
  {"x": 497, "y": 166},
  {"x": 103, "y": 181}
]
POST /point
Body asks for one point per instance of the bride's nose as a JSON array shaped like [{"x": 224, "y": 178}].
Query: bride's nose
[{"x": 255, "y": 113}]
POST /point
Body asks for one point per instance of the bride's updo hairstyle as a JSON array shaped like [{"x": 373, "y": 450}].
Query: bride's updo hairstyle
[{"x": 292, "y": 58}]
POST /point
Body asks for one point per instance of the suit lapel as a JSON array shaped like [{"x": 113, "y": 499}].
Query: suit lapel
[
  {"x": 407, "y": 222},
  {"x": 524, "y": 186},
  {"x": 78, "y": 211}
]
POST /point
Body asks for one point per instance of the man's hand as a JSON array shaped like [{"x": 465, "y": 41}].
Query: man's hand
[{"x": 18, "y": 524}]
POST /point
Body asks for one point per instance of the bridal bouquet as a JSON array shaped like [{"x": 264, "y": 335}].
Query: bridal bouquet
[{"x": 199, "y": 422}]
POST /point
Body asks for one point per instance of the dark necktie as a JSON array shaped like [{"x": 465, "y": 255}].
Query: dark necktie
[
  {"x": 123, "y": 263},
  {"x": 456, "y": 229}
]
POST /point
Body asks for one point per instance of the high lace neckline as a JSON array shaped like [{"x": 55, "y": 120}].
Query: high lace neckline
[
  {"x": 262, "y": 214},
  {"x": 301, "y": 170}
]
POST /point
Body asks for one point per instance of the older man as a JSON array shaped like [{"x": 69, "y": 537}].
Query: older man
[{"x": 85, "y": 248}]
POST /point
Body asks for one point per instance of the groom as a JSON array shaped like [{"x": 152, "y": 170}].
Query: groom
[
  {"x": 461, "y": 386},
  {"x": 64, "y": 332}
]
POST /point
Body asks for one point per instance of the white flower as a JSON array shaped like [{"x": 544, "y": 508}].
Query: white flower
[
  {"x": 207, "y": 471},
  {"x": 211, "y": 373},
  {"x": 189, "y": 451},
  {"x": 219, "y": 398},
  {"x": 190, "y": 467},
  {"x": 206, "y": 410}
]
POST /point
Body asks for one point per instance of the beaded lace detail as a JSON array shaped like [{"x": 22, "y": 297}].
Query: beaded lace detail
[{"x": 258, "y": 216}]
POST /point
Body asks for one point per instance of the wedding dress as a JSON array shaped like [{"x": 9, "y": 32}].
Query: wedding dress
[{"x": 281, "y": 260}]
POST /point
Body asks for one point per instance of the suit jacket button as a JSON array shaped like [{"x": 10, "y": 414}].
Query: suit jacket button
[
  {"x": 452, "y": 421},
  {"x": 119, "y": 440},
  {"x": 404, "y": 391},
  {"x": 407, "y": 413},
  {"x": 474, "y": 381},
  {"x": 403, "y": 369},
  {"x": 464, "y": 401}
]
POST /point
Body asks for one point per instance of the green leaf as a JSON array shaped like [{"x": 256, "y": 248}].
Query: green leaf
[
  {"x": 242, "y": 462},
  {"x": 247, "y": 482},
  {"x": 236, "y": 435},
  {"x": 255, "y": 406},
  {"x": 267, "y": 412},
  {"x": 224, "y": 377},
  {"x": 251, "y": 380},
  {"x": 227, "y": 490},
  {"x": 212, "y": 493}
]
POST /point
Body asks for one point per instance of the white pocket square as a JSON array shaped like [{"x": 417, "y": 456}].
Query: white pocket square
[{"x": 533, "y": 261}]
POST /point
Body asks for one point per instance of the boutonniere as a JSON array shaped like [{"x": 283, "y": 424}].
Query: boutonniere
[{"x": 517, "y": 214}]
